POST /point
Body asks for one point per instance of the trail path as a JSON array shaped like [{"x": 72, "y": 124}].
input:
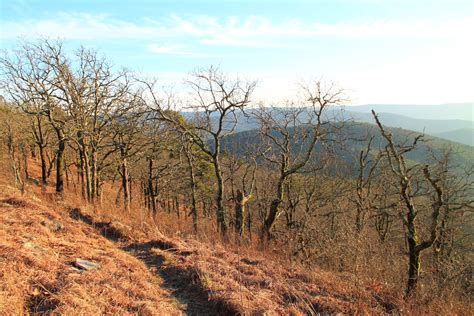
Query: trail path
[{"x": 189, "y": 298}]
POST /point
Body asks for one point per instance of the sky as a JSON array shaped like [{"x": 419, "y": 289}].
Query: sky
[{"x": 413, "y": 52}]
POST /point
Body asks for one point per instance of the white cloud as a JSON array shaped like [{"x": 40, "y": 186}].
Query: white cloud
[
  {"x": 168, "y": 49},
  {"x": 179, "y": 50},
  {"x": 250, "y": 31}
]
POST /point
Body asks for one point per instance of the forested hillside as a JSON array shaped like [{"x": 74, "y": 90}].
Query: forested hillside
[
  {"x": 387, "y": 209},
  {"x": 351, "y": 138},
  {"x": 457, "y": 130}
]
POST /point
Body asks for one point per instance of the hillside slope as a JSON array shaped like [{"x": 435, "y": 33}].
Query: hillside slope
[
  {"x": 139, "y": 270},
  {"x": 347, "y": 145},
  {"x": 454, "y": 129},
  {"x": 38, "y": 250},
  {"x": 462, "y": 135},
  {"x": 427, "y": 126}
]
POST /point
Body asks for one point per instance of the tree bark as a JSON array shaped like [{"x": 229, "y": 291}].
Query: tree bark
[
  {"x": 82, "y": 174},
  {"x": 414, "y": 264},
  {"x": 192, "y": 178},
  {"x": 274, "y": 211},
  {"x": 240, "y": 212},
  {"x": 125, "y": 186},
  {"x": 222, "y": 225},
  {"x": 44, "y": 177},
  {"x": 151, "y": 189},
  {"x": 60, "y": 162}
]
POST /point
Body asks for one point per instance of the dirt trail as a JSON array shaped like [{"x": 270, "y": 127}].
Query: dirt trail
[
  {"x": 193, "y": 299},
  {"x": 158, "y": 257}
]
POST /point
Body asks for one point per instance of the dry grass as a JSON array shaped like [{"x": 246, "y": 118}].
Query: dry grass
[
  {"x": 155, "y": 266},
  {"x": 37, "y": 247},
  {"x": 234, "y": 283}
]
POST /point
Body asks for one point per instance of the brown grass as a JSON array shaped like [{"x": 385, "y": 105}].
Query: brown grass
[
  {"x": 37, "y": 275},
  {"x": 152, "y": 266},
  {"x": 238, "y": 282}
]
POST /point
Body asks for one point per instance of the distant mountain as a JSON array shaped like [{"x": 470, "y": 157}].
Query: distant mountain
[
  {"x": 463, "y": 135},
  {"x": 448, "y": 111},
  {"x": 447, "y": 127},
  {"x": 450, "y": 121},
  {"x": 347, "y": 144},
  {"x": 428, "y": 126}
]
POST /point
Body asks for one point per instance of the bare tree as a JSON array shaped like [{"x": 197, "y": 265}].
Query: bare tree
[
  {"x": 415, "y": 181},
  {"x": 190, "y": 153},
  {"x": 16, "y": 137},
  {"x": 241, "y": 173},
  {"x": 129, "y": 140},
  {"x": 30, "y": 78},
  {"x": 215, "y": 104},
  {"x": 365, "y": 196},
  {"x": 291, "y": 135}
]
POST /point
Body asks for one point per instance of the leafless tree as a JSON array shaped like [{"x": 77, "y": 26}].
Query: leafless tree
[
  {"x": 291, "y": 135},
  {"x": 215, "y": 104},
  {"x": 415, "y": 181}
]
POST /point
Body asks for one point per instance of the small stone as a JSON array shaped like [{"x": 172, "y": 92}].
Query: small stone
[
  {"x": 85, "y": 264},
  {"x": 76, "y": 269}
]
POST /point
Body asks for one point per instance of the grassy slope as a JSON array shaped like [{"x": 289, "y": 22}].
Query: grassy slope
[
  {"x": 36, "y": 269},
  {"x": 145, "y": 272}
]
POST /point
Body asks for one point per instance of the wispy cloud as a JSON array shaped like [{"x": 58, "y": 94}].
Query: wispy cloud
[
  {"x": 168, "y": 49},
  {"x": 180, "y": 50},
  {"x": 250, "y": 31}
]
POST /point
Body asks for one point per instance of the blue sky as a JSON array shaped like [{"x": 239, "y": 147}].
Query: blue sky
[{"x": 380, "y": 51}]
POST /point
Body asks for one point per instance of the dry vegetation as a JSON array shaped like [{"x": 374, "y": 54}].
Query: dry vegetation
[
  {"x": 38, "y": 245},
  {"x": 144, "y": 272},
  {"x": 306, "y": 214}
]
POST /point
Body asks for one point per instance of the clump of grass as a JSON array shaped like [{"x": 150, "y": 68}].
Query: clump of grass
[{"x": 205, "y": 281}]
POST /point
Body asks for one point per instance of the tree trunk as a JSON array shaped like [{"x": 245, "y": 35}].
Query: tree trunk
[
  {"x": 274, "y": 211},
  {"x": 60, "y": 162},
  {"x": 240, "y": 214},
  {"x": 220, "y": 212},
  {"x": 125, "y": 185},
  {"x": 414, "y": 260},
  {"x": 82, "y": 174},
  {"x": 168, "y": 203},
  {"x": 40, "y": 141},
  {"x": 192, "y": 179},
  {"x": 249, "y": 222},
  {"x": 88, "y": 177},
  {"x": 25, "y": 162},
  {"x": 44, "y": 177},
  {"x": 66, "y": 172},
  {"x": 413, "y": 270},
  {"x": 176, "y": 203},
  {"x": 359, "y": 218},
  {"x": 98, "y": 188},
  {"x": 151, "y": 190},
  {"x": 204, "y": 208},
  {"x": 33, "y": 151},
  {"x": 14, "y": 164},
  {"x": 94, "y": 175}
]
